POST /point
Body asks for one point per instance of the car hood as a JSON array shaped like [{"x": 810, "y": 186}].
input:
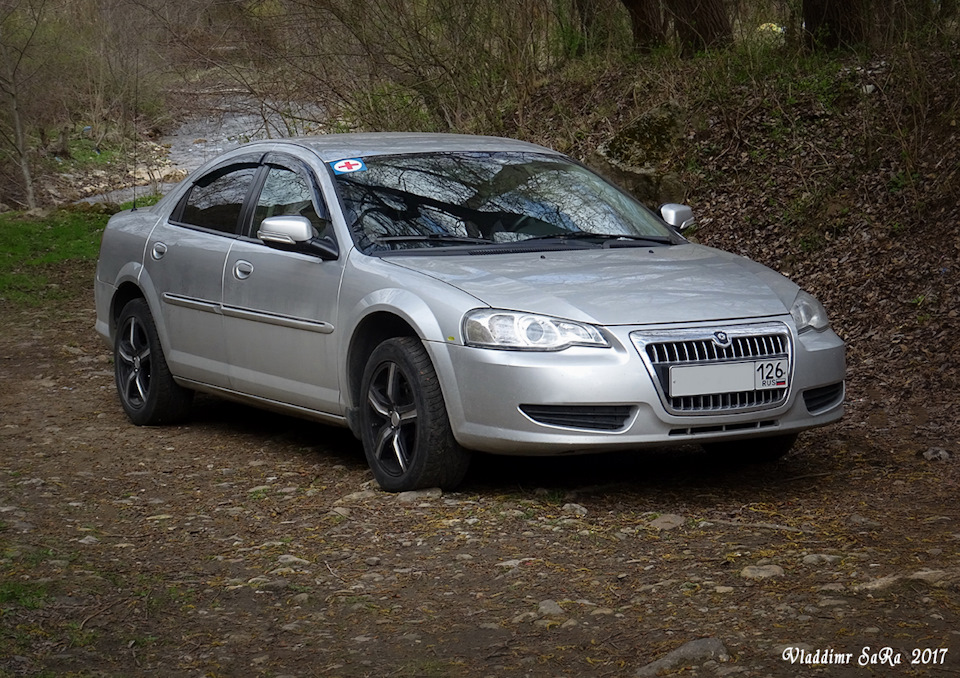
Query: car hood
[{"x": 622, "y": 286}]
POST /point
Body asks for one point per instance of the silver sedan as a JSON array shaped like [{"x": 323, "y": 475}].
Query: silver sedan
[{"x": 442, "y": 294}]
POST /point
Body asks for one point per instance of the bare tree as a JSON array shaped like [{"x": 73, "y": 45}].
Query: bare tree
[{"x": 20, "y": 26}]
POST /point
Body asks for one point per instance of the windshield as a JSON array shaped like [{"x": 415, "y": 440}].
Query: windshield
[{"x": 486, "y": 199}]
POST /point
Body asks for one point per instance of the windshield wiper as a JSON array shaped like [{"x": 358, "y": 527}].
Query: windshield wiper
[
  {"x": 608, "y": 239},
  {"x": 432, "y": 237}
]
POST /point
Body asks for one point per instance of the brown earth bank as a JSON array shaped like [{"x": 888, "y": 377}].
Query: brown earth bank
[{"x": 249, "y": 544}]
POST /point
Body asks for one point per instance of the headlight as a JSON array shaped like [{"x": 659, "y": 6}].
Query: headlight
[
  {"x": 809, "y": 313},
  {"x": 491, "y": 328}
]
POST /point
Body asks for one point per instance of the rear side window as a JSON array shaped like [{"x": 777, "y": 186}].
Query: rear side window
[{"x": 216, "y": 201}]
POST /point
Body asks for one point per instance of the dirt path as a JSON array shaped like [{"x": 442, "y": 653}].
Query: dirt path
[{"x": 247, "y": 544}]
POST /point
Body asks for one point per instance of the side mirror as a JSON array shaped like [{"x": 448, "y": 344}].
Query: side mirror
[
  {"x": 679, "y": 216},
  {"x": 296, "y": 234}
]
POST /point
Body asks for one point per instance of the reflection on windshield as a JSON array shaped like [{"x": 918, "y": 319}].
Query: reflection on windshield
[{"x": 439, "y": 200}]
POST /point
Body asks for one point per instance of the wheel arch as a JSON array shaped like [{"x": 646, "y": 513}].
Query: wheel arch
[
  {"x": 126, "y": 293},
  {"x": 369, "y": 333}
]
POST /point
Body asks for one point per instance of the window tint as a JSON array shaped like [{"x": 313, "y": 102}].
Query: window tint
[
  {"x": 288, "y": 193},
  {"x": 215, "y": 202}
]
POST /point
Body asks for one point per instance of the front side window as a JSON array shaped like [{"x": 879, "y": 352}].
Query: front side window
[
  {"x": 288, "y": 193},
  {"x": 483, "y": 199}
]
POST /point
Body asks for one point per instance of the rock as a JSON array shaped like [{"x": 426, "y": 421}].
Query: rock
[
  {"x": 356, "y": 496},
  {"x": 761, "y": 571},
  {"x": 419, "y": 495},
  {"x": 690, "y": 654},
  {"x": 576, "y": 509},
  {"x": 524, "y": 617},
  {"x": 878, "y": 584},
  {"x": 550, "y": 608},
  {"x": 859, "y": 521},
  {"x": 292, "y": 560},
  {"x": 667, "y": 521},
  {"x": 820, "y": 559},
  {"x": 936, "y": 454},
  {"x": 941, "y": 579}
]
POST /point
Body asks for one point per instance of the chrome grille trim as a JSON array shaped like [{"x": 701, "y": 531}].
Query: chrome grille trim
[{"x": 663, "y": 349}]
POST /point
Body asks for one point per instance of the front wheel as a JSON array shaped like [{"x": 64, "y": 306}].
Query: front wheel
[
  {"x": 753, "y": 450},
  {"x": 148, "y": 393},
  {"x": 403, "y": 419}
]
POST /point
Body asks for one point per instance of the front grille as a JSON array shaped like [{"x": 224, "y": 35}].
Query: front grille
[
  {"x": 664, "y": 349},
  {"x": 589, "y": 417},
  {"x": 822, "y": 398}
]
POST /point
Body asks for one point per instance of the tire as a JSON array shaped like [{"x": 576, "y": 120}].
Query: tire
[
  {"x": 147, "y": 391},
  {"x": 403, "y": 421},
  {"x": 753, "y": 450}
]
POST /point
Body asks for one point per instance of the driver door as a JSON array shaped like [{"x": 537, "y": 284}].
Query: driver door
[{"x": 279, "y": 307}]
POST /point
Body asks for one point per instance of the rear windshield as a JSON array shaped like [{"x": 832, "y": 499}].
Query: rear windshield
[{"x": 446, "y": 200}]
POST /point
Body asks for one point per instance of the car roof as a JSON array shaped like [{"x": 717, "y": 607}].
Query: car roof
[{"x": 330, "y": 147}]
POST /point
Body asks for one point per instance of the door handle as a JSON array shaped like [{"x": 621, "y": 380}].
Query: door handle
[
  {"x": 242, "y": 269},
  {"x": 159, "y": 249}
]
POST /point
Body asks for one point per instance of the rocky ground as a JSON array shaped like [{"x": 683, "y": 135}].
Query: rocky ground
[{"x": 248, "y": 544}]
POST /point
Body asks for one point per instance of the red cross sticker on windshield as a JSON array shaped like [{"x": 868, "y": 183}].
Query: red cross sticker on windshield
[{"x": 348, "y": 165}]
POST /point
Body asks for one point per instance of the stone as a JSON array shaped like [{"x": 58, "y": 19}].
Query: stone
[
  {"x": 288, "y": 559},
  {"x": 936, "y": 454},
  {"x": 419, "y": 495},
  {"x": 667, "y": 521},
  {"x": 692, "y": 653},
  {"x": 357, "y": 496},
  {"x": 550, "y": 608},
  {"x": 859, "y": 521},
  {"x": 761, "y": 571}
]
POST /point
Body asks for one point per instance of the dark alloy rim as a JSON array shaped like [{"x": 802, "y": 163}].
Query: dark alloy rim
[
  {"x": 393, "y": 418},
  {"x": 133, "y": 363}
]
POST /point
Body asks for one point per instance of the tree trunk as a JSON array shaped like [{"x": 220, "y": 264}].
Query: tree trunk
[
  {"x": 834, "y": 24},
  {"x": 700, "y": 24},
  {"x": 8, "y": 86},
  {"x": 646, "y": 23},
  {"x": 23, "y": 153}
]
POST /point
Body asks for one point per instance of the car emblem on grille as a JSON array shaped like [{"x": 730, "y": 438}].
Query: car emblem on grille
[{"x": 721, "y": 339}]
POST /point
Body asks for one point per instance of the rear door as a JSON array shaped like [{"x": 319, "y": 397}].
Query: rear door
[
  {"x": 279, "y": 307},
  {"x": 185, "y": 261}
]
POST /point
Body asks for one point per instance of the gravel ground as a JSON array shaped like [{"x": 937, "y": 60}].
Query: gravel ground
[{"x": 249, "y": 544}]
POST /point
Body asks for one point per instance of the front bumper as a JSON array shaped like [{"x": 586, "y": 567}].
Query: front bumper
[{"x": 585, "y": 400}]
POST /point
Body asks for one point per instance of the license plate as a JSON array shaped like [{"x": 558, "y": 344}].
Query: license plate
[{"x": 756, "y": 375}]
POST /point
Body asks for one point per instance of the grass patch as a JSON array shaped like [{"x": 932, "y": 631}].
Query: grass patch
[
  {"x": 33, "y": 249},
  {"x": 27, "y": 595}
]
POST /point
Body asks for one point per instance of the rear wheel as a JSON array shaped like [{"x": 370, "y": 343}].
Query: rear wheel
[
  {"x": 404, "y": 426},
  {"x": 147, "y": 390},
  {"x": 754, "y": 450}
]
